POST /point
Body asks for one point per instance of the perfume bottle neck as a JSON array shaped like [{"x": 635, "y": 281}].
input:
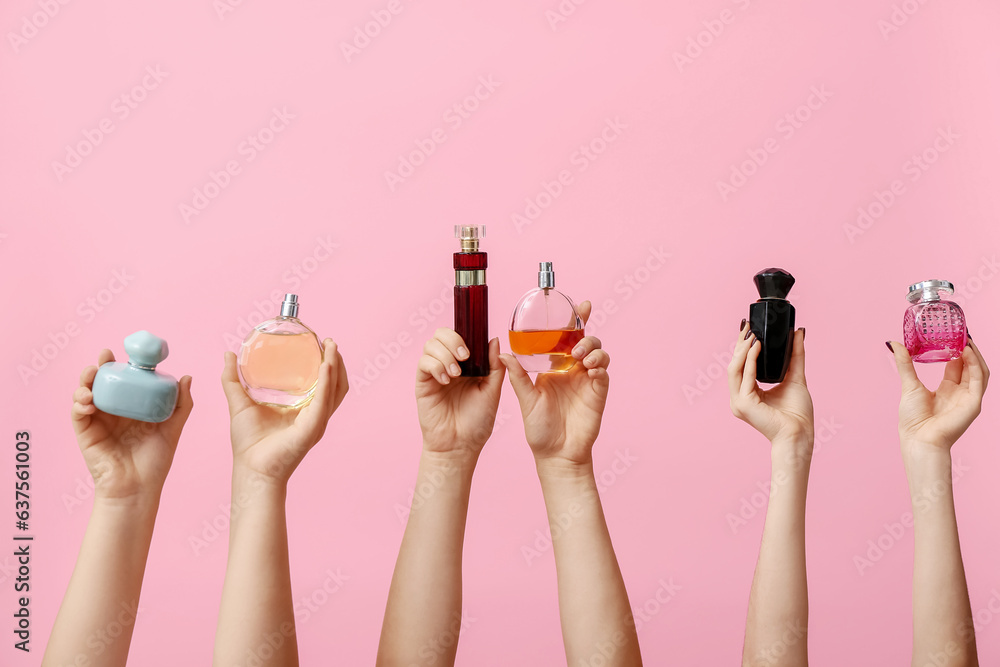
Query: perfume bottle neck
[{"x": 470, "y": 277}]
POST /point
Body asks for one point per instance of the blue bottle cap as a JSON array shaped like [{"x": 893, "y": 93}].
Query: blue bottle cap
[{"x": 145, "y": 350}]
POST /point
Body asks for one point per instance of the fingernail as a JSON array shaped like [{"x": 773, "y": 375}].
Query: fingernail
[
  {"x": 967, "y": 333},
  {"x": 749, "y": 333},
  {"x": 444, "y": 378},
  {"x": 455, "y": 370},
  {"x": 803, "y": 334},
  {"x": 889, "y": 345},
  {"x": 588, "y": 362},
  {"x": 463, "y": 353},
  {"x": 578, "y": 352},
  {"x": 743, "y": 324}
]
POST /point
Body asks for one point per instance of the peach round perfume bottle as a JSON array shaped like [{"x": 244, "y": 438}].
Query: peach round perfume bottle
[
  {"x": 279, "y": 360},
  {"x": 545, "y": 327},
  {"x": 933, "y": 328}
]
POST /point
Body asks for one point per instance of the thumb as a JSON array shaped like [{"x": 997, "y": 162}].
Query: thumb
[
  {"x": 520, "y": 382},
  {"x": 183, "y": 408},
  {"x": 585, "y": 309},
  {"x": 235, "y": 394},
  {"x": 904, "y": 366},
  {"x": 494, "y": 381}
]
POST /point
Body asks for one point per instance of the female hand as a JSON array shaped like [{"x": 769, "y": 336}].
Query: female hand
[
  {"x": 939, "y": 418},
  {"x": 128, "y": 459},
  {"x": 456, "y": 413},
  {"x": 272, "y": 441},
  {"x": 783, "y": 412},
  {"x": 562, "y": 411}
]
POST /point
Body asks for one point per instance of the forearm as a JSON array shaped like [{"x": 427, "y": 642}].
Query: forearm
[
  {"x": 778, "y": 612},
  {"x": 942, "y": 614},
  {"x": 95, "y": 622},
  {"x": 593, "y": 603},
  {"x": 256, "y": 617},
  {"x": 423, "y": 615}
]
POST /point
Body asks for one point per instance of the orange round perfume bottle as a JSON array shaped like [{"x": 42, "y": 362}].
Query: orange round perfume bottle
[
  {"x": 545, "y": 327},
  {"x": 279, "y": 360}
]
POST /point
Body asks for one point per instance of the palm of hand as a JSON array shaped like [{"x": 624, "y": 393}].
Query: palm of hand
[
  {"x": 457, "y": 416},
  {"x": 565, "y": 416},
  {"x": 785, "y": 410},
  {"x": 125, "y": 456},
  {"x": 936, "y": 416},
  {"x": 271, "y": 440}
]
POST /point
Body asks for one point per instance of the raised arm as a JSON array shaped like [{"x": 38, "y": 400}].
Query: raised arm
[
  {"x": 256, "y": 618},
  {"x": 778, "y": 611},
  {"x": 423, "y": 616},
  {"x": 929, "y": 424},
  {"x": 129, "y": 461},
  {"x": 562, "y": 416}
]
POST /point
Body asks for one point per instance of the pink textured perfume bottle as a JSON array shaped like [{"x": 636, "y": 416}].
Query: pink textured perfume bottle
[{"x": 933, "y": 328}]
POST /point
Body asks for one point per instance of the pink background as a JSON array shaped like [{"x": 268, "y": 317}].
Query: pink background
[{"x": 654, "y": 187}]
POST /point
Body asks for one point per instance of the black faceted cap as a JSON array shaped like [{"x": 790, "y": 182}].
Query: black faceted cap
[{"x": 773, "y": 283}]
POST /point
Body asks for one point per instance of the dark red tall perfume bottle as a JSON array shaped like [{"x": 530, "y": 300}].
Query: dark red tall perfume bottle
[{"x": 470, "y": 300}]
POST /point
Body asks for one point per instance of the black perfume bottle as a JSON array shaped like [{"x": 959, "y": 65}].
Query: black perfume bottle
[{"x": 772, "y": 321}]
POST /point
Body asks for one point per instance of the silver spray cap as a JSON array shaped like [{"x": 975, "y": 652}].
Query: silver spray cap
[
  {"x": 290, "y": 306},
  {"x": 928, "y": 290},
  {"x": 546, "y": 276}
]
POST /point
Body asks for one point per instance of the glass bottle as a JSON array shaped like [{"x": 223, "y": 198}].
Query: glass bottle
[
  {"x": 471, "y": 304},
  {"x": 933, "y": 329},
  {"x": 545, "y": 327},
  {"x": 134, "y": 389},
  {"x": 279, "y": 360},
  {"x": 772, "y": 321}
]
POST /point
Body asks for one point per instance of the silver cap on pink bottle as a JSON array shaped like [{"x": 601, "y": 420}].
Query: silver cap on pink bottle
[
  {"x": 546, "y": 276},
  {"x": 929, "y": 290}
]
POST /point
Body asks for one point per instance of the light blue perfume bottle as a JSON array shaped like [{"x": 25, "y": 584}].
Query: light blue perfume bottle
[{"x": 134, "y": 389}]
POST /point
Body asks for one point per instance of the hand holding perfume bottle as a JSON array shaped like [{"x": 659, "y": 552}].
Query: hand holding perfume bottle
[
  {"x": 545, "y": 327},
  {"x": 268, "y": 439},
  {"x": 933, "y": 328},
  {"x": 279, "y": 359},
  {"x": 129, "y": 458},
  {"x": 562, "y": 411}
]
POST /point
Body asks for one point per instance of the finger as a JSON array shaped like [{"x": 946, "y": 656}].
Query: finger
[
  {"x": 437, "y": 349},
  {"x": 973, "y": 373},
  {"x": 429, "y": 368},
  {"x": 601, "y": 381},
  {"x": 87, "y": 377},
  {"x": 584, "y": 310},
  {"x": 450, "y": 339},
  {"x": 323, "y": 396},
  {"x": 105, "y": 356},
  {"x": 83, "y": 396},
  {"x": 982, "y": 362},
  {"x": 797, "y": 362},
  {"x": 236, "y": 396},
  {"x": 739, "y": 360},
  {"x": 904, "y": 366},
  {"x": 343, "y": 384},
  {"x": 586, "y": 346},
  {"x": 954, "y": 370},
  {"x": 185, "y": 403},
  {"x": 520, "y": 381},
  {"x": 748, "y": 383},
  {"x": 597, "y": 359}
]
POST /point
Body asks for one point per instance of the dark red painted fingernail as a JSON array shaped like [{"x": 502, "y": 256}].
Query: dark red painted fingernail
[
  {"x": 743, "y": 324},
  {"x": 889, "y": 345},
  {"x": 749, "y": 333},
  {"x": 803, "y": 334}
]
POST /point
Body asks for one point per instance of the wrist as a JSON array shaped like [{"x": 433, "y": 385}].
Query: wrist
[
  {"x": 136, "y": 506},
  {"x": 558, "y": 468},
  {"x": 249, "y": 483},
  {"x": 925, "y": 460},
  {"x": 793, "y": 451},
  {"x": 462, "y": 461}
]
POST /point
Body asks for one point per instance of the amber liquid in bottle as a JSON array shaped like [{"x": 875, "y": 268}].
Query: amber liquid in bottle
[{"x": 558, "y": 344}]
